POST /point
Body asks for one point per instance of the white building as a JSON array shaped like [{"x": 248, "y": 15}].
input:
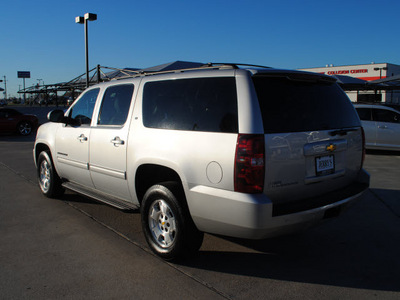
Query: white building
[{"x": 368, "y": 72}]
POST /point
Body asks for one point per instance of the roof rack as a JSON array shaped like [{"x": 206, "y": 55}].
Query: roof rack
[
  {"x": 235, "y": 65},
  {"x": 207, "y": 66}
]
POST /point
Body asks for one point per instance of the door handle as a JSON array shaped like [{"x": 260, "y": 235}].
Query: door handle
[
  {"x": 117, "y": 141},
  {"x": 82, "y": 138},
  {"x": 382, "y": 127}
]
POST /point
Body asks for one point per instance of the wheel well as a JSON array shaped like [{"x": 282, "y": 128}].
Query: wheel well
[
  {"x": 39, "y": 148},
  {"x": 149, "y": 175}
]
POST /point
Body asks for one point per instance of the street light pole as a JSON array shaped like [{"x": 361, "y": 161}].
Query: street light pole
[{"x": 84, "y": 20}]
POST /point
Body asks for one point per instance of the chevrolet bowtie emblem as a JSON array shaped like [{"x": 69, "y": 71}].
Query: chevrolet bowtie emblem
[{"x": 330, "y": 148}]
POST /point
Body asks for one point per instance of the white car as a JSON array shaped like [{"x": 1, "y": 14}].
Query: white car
[{"x": 381, "y": 125}]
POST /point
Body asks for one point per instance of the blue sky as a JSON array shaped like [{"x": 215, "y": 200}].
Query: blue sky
[{"x": 42, "y": 37}]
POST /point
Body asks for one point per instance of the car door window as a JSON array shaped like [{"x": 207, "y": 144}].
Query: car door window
[
  {"x": 115, "y": 106},
  {"x": 81, "y": 113},
  {"x": 388, "y": 116},
  {"x": 364, "y": 114}
]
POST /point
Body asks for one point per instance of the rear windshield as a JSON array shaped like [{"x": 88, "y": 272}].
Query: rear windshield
[{"x": 289, "y": 105}]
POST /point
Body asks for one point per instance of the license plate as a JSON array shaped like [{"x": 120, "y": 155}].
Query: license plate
[{"x": 325, "y": 165}]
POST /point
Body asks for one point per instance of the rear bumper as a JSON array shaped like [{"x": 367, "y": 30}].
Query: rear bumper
[{"x": 254, "y": 216}]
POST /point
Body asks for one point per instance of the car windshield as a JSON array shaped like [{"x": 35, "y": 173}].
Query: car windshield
[{"x": 301, "y": 104}]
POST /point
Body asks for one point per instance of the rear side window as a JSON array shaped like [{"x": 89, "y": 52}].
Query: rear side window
[
  {"x": 303, "y": 105},
  {"x": 197, "y": 104},
  {"x": 115, "y": 106}
]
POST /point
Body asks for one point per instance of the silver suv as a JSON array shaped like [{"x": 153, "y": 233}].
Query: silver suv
[{"x": 243, "y": 152}]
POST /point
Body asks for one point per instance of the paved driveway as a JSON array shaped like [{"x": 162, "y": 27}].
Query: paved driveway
[{"x": 76, "y": 248}]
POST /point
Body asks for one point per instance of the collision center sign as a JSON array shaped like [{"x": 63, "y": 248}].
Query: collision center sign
[{"x": 343, "y": 72}]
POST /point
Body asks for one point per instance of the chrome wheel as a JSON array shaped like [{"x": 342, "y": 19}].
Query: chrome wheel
[
  {"x": 45, "y": 176},
  {"x": 25, "y": 128},
  {"x": 162, "y": 223}
]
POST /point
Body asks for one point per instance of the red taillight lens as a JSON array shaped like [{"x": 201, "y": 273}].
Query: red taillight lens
[{"x": 249, "y": 163}]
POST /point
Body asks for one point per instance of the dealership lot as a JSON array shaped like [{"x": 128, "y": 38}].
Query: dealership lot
[{"x": 74, "y": 247}]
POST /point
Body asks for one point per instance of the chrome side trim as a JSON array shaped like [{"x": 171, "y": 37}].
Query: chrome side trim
[
  {"x": 109, "y": 172},
  {"x": 74, "y": 163}
]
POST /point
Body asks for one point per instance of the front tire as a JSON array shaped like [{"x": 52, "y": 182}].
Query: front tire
[
  {"x": 166, "y": 222},
  {"x": 49, "y": 182}
]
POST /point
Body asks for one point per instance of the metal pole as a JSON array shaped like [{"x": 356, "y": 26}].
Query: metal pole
[
  {"x": 87, "y": 53},
  {"x": 24, "y": 92},
  {"x": 5, "y": 88},
  {"x": 98, "y": 74}
]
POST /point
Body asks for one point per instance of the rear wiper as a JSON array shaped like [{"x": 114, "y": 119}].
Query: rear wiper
[{"x": 341, "y": 132}]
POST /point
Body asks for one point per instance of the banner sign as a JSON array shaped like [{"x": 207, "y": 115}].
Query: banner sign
[{"x": 24, "y": 74}]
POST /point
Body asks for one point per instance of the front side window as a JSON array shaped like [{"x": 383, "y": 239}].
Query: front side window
[
  {"x": 115, "y": 106},
  {"x": 81, "y": 113},
  {"x": 382, "y": 115},
  {"x": 196, "y": 104}
]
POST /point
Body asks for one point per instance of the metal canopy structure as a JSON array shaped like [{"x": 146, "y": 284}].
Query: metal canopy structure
[
  {"x": 100, "y": 74},
  {"x": 349, "y": 83},
  {"x": 75, "y": 86}
]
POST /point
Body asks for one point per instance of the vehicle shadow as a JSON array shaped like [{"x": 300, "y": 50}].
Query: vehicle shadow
[
  {"x": 357, "y": 250},
  {"x": 383, "y": 152},
  {"x": 390, "y": 198},
  {"x": 90, "y": 205}
]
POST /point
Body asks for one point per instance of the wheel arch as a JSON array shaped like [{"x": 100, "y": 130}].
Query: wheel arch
[
  {"x": 148, "y": 175},
  {"x": 39, "y": 147}
]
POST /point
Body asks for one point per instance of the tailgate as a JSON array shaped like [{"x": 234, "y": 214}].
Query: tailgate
[
  {"x": 310, "y": 164},
  {"x": 313, "y": 139}
]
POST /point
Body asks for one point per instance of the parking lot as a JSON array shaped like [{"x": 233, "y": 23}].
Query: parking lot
[{"x": 77, "y": 248}]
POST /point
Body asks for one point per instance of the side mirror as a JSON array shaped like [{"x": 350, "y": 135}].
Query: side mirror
[{"x": 56, "y": 116}]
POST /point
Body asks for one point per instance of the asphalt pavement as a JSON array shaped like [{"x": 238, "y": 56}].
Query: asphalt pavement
[
  {"x": 75, "y": 248},
  {"x": 51, "y": 251}
]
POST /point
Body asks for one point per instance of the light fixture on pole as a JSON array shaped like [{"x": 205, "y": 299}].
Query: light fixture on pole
[
  {"x": 380, "y": 71},
  {"x": 84, "y": 20}
]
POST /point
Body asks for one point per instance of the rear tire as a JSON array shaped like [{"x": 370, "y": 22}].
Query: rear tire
[
  {"x": 49, "y": 182},
  {"x": 166, "y": 222}
]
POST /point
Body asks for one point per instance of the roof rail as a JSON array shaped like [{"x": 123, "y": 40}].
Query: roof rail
[
  {"x": 208, "y": 66},
  {"x": 235, "y": 65}
]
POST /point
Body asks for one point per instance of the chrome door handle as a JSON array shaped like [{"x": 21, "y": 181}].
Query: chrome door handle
[
  {"x": 117, "y": 141},
  {"x": 82, "y": 138}
]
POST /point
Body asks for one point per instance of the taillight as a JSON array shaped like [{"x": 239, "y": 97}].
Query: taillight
[
  {"x": 249, "y": 163},
  {"x": 363, "y": 147}
]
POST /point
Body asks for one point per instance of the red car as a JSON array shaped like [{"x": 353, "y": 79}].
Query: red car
[{"x": 12, "y": 121}]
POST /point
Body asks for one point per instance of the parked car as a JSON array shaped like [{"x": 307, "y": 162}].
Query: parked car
[
  {"x": 243, "y": 152},
  {"x": 381, "y": 125},
  {"x": 12, "y": 121},
  {"x": 3, "y": 103}
]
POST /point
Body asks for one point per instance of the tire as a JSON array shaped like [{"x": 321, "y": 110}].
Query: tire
[
  {"x": 24, "y": 128},
  {"x": 49, "y": 182},
  {"x": 166, "y": 222}
]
